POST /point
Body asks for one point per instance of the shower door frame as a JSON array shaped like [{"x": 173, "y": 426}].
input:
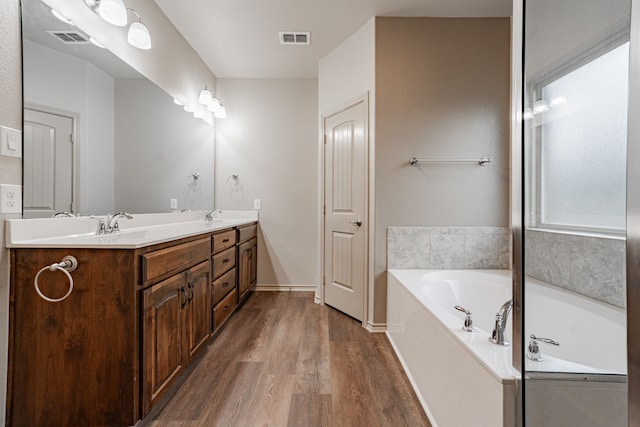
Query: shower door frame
[
  {"x": 633, "y": 205},
  {"x": 633, "y": 222}
]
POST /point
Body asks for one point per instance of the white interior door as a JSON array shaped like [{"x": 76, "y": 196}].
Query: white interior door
[
  {"x": 48, "y": 164},
  {"x": 345, "y": 217}
]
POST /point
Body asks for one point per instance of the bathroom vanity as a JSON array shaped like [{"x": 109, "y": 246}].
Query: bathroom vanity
[{"x": 135, "y": 317}]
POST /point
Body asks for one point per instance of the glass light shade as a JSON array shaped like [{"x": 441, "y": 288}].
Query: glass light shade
[
  {"x": 61, "y": 17},
  {"x": 540, "y": 107},
  {"x": 177, "y": 101},
  {"x": 198, "y": 114},
  {"x": 527, "y": 114},
  {"x": 113, "y": 11},
  {"x": 188, "y": 109},
  {"x": 214, "y": 105},
  {"x": 205, "y": 97},
  {"x": 221, "y": 113},
  {"x": 558, "y": 101},
  {"x": 138, "y": 36}
]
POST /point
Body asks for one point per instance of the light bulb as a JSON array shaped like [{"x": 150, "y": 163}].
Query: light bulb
[{"x": 205, "y": 96}]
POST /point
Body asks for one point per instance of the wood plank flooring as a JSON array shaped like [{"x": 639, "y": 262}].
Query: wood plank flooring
[{"x": 283, "y": 360}]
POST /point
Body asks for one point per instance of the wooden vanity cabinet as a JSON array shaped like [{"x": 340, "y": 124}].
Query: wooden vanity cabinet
[
  {"x": 176, "y": 315},
  {"x": 247, "y": 259},
  {"x": 223, "y": 286}
]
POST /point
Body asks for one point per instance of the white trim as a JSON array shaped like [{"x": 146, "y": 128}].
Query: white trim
[
  {"x": 364, "y": 99},
  {"x": 376, "y": 328},
  {"x": 285, "y": 288}
]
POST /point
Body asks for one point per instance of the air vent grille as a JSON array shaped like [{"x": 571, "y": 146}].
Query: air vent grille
[
  {"x": 70, "y": 37},
  {"x": 293, "y": 37}
]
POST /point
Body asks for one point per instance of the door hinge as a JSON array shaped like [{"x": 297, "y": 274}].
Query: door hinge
[
  {"x": 324, "y": 280},
  {"x": 324, "y": 209},
  {"x": 325, "y": 138},
  {"x": 72, "y": 138}
]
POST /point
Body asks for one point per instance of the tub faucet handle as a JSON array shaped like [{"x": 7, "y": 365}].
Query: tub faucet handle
[
  {"x": 468, "y": 321},
  {"x": 534, "y": 350}
]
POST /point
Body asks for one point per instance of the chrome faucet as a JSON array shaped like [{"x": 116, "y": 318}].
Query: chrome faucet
[
  {"x": 63, "y": 214},
  {"x": 208, "y": 216},
  {"x": 497, "y": 336},
  {"x": 112, "y": 221}
]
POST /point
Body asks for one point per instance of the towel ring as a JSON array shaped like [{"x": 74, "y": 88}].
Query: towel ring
[{"x": 68, "y": 264}]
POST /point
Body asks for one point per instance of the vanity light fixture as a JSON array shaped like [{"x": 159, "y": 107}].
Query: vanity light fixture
[
  {"x": 61, "y": 17},
  {"x": 177, "y": 101},
  {"x": 221, "y": 113},
  {"x": 214, "y": 105},
  {"x": 558, "y": 101},
  {"x": 205, "y": 97},
  {"x": 188, "y": 109},
  {"x": 138, "y": 35},
  {"x": 112, "y": 11},
  {"x": 527, "y": 114},
  {"x": 541, "y": 106}
]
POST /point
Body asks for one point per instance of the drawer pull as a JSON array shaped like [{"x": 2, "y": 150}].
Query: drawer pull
[
  {"x": 225, "y": 284},
  {"x": 226, "y": 260},
  {"x": 225, "y": 241},
  {"x": 226, "y": 307}
]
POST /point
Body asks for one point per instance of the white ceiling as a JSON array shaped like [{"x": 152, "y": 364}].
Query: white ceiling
[{"x": 239, "y": 38}]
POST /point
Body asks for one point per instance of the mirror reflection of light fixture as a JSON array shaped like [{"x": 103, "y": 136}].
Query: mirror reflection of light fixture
[
  {"x": 112, "y": 11},
  {"x": 96, "y": 43},
  {"x": 188, "y": 109},
  {"x": 557, "y": 101},
  {"x": 138, "y": 35},
  {"x": 221, "y": 113},
  {"x": 61, "y": 17},
  {"x": 205, "y": 96},
  {"x": 541, "y": 106},
  {"x": 527, "y": 114},
  {"x": 177, "y": 101},
  {"x": 215, "y": 105}
]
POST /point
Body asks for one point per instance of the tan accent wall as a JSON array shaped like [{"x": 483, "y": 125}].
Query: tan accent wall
[{"x": 442, "y": 91}]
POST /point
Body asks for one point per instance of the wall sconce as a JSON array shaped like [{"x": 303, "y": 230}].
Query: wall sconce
[{"x": 205, "y": 96}]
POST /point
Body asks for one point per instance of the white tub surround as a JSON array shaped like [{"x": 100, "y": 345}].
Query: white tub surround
[
  {"x": 448, "y": 248},
  {"x": 142, "y": 230},
  {"x": 461, "y": 378}
]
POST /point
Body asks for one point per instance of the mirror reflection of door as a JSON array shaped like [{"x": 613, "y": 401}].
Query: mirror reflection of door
[{"x": 48, "y": 164}]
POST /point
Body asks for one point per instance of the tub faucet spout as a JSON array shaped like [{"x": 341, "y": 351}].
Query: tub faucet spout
[{"x": 497, "y": 336}]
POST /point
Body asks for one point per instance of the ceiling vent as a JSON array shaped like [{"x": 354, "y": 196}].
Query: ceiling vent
[
  {"x": 70, "y": 37},
  {"x": 291, "y": 37}
]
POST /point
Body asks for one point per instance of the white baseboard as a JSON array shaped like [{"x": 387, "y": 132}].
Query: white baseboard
[
  {"x": 376, "y": 328},
  {"x": 285, "y": 288}
]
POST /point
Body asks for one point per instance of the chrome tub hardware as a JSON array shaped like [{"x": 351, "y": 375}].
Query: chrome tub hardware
[
  {"x": 497, "y": 336},
  {"x": 468, "y": 321},
  {"x": 533, "y": 352}
]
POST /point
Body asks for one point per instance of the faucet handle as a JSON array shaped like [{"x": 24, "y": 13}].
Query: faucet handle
[
  {"x": 534, "y": 350},
  {"x": 468, "y": 321}
]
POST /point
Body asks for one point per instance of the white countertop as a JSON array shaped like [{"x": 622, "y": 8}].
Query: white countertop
[{"x": 143, "y": 230}]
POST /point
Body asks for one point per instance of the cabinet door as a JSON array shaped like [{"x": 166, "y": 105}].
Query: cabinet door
[
  {"x": 164, "y": 357},
  {"x": 254, "y": 261},
  {"x": 199, "y": 306},
  {"x": 244, "y": 279}
]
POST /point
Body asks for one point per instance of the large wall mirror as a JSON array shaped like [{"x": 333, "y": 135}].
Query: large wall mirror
[{"x": 99, "y": 137}]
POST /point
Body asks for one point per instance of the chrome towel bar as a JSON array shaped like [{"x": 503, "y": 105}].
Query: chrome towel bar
[{"x": 482, "y": 162}]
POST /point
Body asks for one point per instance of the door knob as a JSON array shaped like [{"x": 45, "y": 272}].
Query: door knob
[{"x": 357, "y": 222}]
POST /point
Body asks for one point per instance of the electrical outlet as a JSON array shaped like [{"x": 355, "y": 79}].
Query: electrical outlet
[
  {"x": 256, "y": 204},
  {"x": 10, "y": 198},
  {"x": 173, "y": 203}
]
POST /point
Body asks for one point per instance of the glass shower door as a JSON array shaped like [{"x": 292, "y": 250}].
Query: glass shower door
[{"x": 576, "y": 62}]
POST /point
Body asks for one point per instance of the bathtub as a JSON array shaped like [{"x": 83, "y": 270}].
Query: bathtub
[{"x": 461, "y": 378}]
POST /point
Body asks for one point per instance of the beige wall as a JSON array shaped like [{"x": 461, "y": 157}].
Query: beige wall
[
  {"x": 10, "y": 169},
  {"x": 442, "y": 91},
  {"x": 269, "y": 138}
]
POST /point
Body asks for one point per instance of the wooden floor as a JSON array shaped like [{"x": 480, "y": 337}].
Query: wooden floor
[{"x": 284, "y": 361}]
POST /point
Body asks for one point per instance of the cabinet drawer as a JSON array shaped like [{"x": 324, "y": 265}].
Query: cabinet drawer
[
  {"x": 223, "y": 310},
  {"x": 247, "y": 232},
  {"x": 223, "y": 285},
  {"x": 176, "y": 258},
  {"x": 223, "y": 261},
  {"x": 224, "y": 240}
]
